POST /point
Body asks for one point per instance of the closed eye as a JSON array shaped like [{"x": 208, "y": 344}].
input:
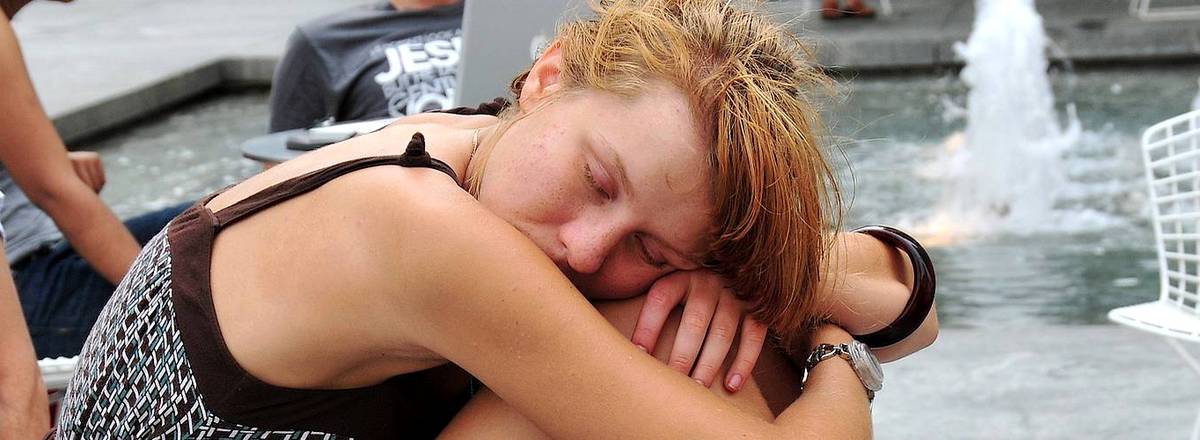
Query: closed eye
[
  {"x": 591, "y": 180},
  {"x": 647, "y": 256}
]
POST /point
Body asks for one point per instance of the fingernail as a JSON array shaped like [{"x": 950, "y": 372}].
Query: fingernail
[
  {"x": 643, "y": 349},
  {"x": 699, "y": 382},
  {"x": 735, "y": 382}
]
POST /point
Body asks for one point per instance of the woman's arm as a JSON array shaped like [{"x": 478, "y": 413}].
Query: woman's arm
[
  {"x": 866, "y": 285},
  {"x": 473, "y": 289},
  {"x": 486, "y": 416},
  {"x": 37, "y": 159},
  {"x": 24, "y": 411}
]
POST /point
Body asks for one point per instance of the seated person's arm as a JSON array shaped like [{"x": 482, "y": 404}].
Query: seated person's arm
[
  {"x": 37, "y": 159},
  {"x": 469, "y": 287},
  {"x": 24, "y": 411}
]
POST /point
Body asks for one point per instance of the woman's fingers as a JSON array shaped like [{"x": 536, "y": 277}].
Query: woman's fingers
[
  {"x": 719, "y": 339},
  {"x": 754, "y": 334},
  {"x": 693, "y": 325},
  {"x": 712, "y": 315},
  {"x": 664, "y": 295}
]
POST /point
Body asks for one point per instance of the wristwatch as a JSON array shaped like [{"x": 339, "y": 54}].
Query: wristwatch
[{"x": 864, "y": 363}]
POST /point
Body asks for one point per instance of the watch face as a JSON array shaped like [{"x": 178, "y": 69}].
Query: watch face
[{"x": 866, "y": 365}]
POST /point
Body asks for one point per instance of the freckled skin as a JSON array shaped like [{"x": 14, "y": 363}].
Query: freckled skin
[{"x": 535, "y": 180}]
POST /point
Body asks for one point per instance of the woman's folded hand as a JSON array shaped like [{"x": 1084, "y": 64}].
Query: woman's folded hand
[{"x": 712, "y": 318}]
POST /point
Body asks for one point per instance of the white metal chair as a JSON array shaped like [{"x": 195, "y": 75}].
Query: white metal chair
[
  {"x": 1171, "y": 151},
  {"x": 1141, "y": 9}
]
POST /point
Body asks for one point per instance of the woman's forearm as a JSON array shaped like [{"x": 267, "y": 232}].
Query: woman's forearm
[
  {"x": 487, "y": 416},
  {"x": 773, "y": 387},
  {"x": 866, "y": 286},
  {"x": 834, "y": 403}
]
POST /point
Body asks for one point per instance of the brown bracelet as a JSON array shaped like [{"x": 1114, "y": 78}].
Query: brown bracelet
[{"x": 924, "y": 283}]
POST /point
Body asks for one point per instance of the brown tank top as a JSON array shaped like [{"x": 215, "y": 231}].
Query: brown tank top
[{"x": 157, "y": 363}]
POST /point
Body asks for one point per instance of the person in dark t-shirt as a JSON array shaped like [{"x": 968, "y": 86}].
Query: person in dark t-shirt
[{"x": 385, "y": 60}]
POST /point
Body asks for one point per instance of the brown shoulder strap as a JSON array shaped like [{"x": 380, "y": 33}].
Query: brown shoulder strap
[
  {"x": 293, "y": 187},
  {"x": 414, "y": 156}
]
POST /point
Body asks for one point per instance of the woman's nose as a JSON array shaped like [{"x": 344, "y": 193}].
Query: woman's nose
[{"x": 589, "y": 243}]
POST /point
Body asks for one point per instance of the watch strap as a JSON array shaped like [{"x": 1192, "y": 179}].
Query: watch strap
[{"x": 824, "y": 352}]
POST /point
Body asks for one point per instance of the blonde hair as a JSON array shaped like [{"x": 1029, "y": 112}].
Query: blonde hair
[{"x": 750, "y": 85}]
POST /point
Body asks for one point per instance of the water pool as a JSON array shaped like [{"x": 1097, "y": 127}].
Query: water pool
[
  {"x": 1096, "y": 250},
  {"x": 181, "y": 155}
]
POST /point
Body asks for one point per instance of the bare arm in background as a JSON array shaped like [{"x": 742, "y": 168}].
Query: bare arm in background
[
  {"x": 35, "y": 156},
  {"x": 24, "y": 410}
]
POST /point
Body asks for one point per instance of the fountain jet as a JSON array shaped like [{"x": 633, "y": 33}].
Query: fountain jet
[{"x": 1005, "y": 173}]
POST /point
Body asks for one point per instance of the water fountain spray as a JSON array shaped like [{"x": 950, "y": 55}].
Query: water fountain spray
[{"x": 1005, "y": 173}]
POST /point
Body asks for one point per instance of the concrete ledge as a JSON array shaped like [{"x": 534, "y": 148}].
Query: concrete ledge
[
  {"x": 864, "y": 55},
  {"x": 920, "y": 35},
  {"x": 248, "y": 71},
  {"x": 77, "y": 124}
]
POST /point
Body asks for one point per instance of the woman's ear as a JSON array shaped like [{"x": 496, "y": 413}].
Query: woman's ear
[{"x": 543, "y": 79}]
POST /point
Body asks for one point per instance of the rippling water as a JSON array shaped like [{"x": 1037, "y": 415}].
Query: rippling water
[
  {"x": 182, "y": 155},
  {"x": 1097, "y": 253},
  {"x": 1096, "y": 250}
]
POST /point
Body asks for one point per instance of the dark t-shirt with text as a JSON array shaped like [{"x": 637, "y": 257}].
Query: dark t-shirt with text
[{"x": 367, "y": 63}]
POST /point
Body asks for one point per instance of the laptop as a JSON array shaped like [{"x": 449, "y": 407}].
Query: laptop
[{"x": 502, "y": 39}]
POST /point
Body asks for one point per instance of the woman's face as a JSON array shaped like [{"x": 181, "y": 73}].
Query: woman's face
[{"x": 615, "y": 190}]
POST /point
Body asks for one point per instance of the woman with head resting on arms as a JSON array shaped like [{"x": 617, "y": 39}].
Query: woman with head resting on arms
[{"x": 664, "y": 136}]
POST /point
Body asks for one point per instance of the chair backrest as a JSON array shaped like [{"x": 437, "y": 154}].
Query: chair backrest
[{"x": 1171, "y": 150}]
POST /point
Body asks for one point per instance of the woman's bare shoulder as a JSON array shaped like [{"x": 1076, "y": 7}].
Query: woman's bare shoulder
[
  {"x": 420, "y": 206},
  {"x": 424, "y": 233}
]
